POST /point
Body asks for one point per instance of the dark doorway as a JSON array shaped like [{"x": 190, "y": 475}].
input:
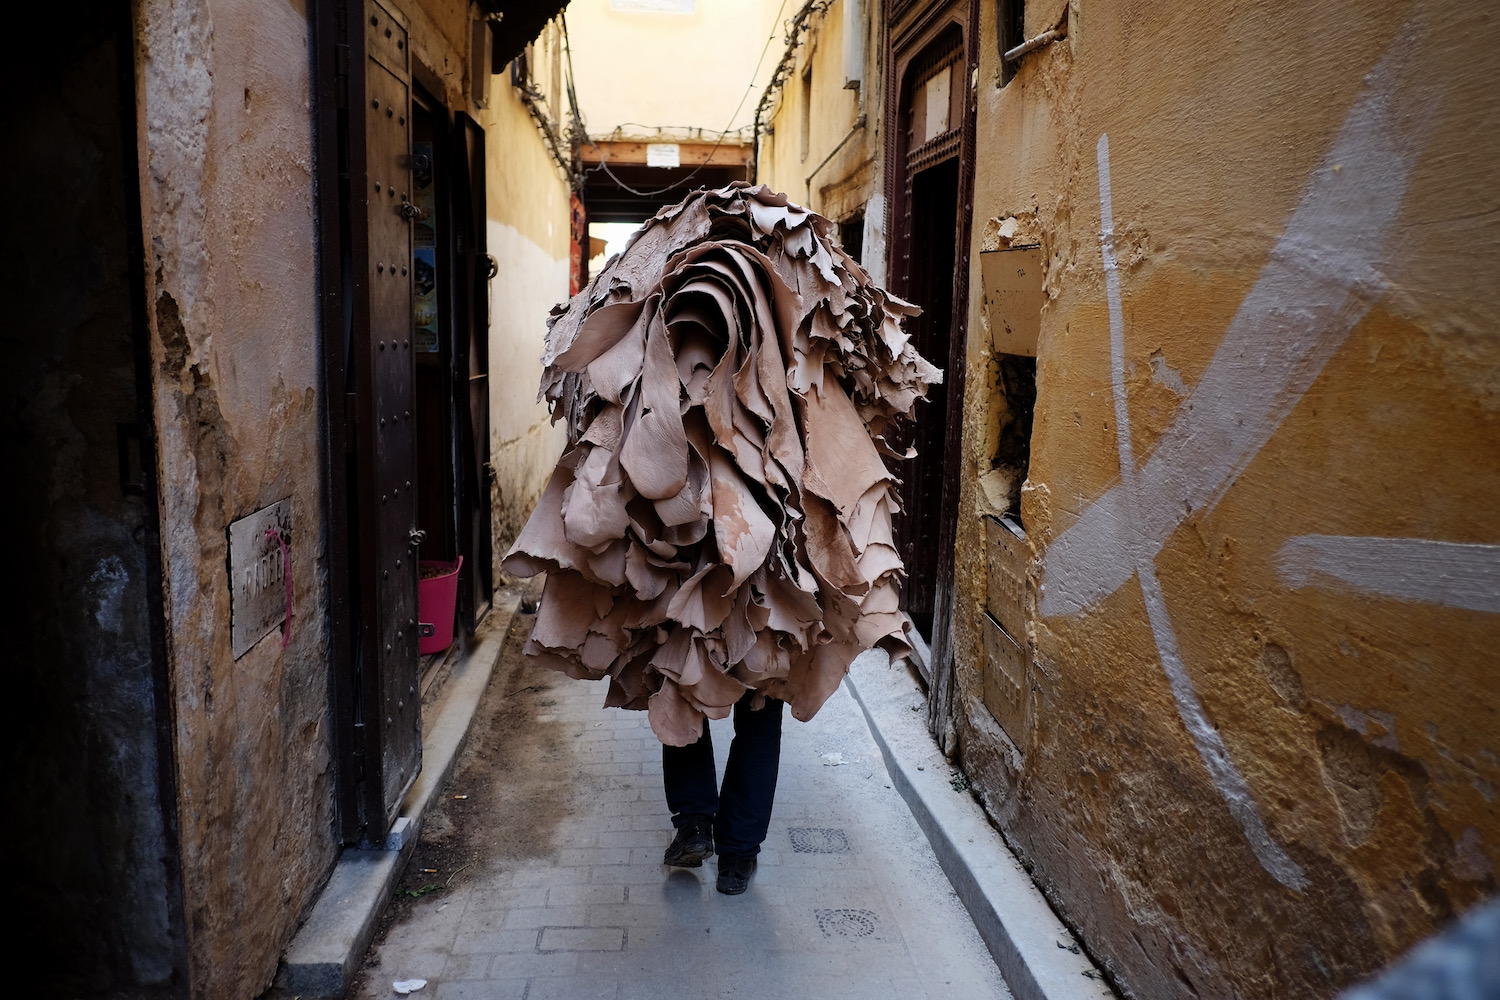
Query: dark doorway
[
  {"x": 450, "y": 338},
  {"x": 86, "y": 757},
  {"x": 933, "y": 246},
  {"x": 469, "y": 372},
  {"x": 852, "y": 236},
  {"x": 930, "y": 104},
  {"x": 431, "y": 324}
]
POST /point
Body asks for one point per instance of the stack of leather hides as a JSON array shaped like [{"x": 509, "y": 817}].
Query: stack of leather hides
[{"x": 721, "y": 519}]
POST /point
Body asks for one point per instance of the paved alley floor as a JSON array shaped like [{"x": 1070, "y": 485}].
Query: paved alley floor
[{"x": 548, "y": 854}]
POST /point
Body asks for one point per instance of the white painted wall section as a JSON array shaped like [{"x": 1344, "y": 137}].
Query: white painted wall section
[{"x": 524, "y": 446}]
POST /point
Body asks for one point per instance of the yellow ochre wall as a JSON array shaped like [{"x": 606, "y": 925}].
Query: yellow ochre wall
[
  {"x": 1304, "y": 219},
  {"x": 850, "y": 177}
]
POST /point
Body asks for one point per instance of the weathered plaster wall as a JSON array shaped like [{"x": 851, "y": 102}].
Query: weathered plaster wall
[
  {"x": 1263, "y": 755},
  {"x": 528, "y": 237},
  {"x": 229, "y": 216},
  {"x": 92, "y": 849}
]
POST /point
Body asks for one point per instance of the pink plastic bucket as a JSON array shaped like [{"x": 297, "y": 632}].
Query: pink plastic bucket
[{"x": 436, "y": 598}]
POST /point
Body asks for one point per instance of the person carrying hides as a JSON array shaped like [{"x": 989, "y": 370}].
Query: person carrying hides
[{"x": 718, "y": 531}]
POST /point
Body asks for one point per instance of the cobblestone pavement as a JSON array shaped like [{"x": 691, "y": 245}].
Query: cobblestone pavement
[{"x": 848, "y": 900}]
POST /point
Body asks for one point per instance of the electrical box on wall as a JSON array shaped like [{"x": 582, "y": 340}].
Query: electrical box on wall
[
  {"x": 1013, "y": 298},
  {"x": 259, "y": 567},
  {"x": 1006, "y": 691},
  {"x": 481, "y": 61}
]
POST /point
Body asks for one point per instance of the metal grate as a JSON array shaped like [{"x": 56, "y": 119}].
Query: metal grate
[
  {"x": 818, "y": 840},
  {"x": 846, "y": 923}
]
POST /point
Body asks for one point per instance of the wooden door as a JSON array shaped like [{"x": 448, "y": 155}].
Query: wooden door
[
  {"x": 362, "y": 60},
  {"x": 387, "y": 456}
]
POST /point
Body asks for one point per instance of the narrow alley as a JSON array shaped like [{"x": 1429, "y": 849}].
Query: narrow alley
[
  {"x": 540, "y": 875},
  {"x": 1059, "y": 439}
]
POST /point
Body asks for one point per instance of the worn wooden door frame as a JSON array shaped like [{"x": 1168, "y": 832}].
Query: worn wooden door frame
[
  {"x": 911, "y": 27},
  {"x": 472, "y": 270},
  {"x": 438, "y": 495}
]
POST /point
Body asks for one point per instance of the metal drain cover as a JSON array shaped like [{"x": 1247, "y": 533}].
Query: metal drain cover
[
  {"x": 818, "y": 840},
  {"x": 846, "y": 923}
]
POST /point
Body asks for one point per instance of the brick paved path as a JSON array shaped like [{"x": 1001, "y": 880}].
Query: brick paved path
[{"x": 848, "y": 900}]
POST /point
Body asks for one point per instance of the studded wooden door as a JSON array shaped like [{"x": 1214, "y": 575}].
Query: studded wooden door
[
  {"x": 392, "y": 456},
  {"x": 388, "y": 720},
  {"x": 361, "y": 61}
]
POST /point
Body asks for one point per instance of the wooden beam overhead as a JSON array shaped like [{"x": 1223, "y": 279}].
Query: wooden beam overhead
[{"x": 617, "y": 152}]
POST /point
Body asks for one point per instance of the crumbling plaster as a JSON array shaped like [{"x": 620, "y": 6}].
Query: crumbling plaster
[
  {"x": 227, "y": 186},
  {"x": 1364, "y": 726},
  {"x": 227, "y": 190}
]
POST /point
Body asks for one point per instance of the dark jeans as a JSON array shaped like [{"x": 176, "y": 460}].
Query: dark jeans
[{"x": 741, "y": 810}]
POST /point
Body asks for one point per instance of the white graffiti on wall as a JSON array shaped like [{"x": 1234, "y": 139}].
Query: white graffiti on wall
[
  {"x": 1452, "y": 574},
  {"x": 1227, "y": 778},
  {"x": 1320, "y": 281}
]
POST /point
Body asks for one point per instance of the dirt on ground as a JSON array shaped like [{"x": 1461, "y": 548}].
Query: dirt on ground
[{"x": 502, "y": 803}]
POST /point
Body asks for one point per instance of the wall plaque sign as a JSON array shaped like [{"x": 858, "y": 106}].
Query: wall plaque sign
[{"x": 259, "y": 564}]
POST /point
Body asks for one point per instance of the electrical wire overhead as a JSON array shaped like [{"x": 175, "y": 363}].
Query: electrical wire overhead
[{"x": 681, "y": 183}]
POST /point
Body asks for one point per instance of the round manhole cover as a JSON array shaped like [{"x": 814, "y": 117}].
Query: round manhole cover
[
  {"x": 818, "y": 840},
  {"x": 846, "y": 923}
]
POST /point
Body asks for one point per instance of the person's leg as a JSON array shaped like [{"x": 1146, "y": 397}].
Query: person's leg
[
  {"x": 749, "y": 789},
  {"x": 689, "y": 778},
  {"x": 692, "y": 788}
]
